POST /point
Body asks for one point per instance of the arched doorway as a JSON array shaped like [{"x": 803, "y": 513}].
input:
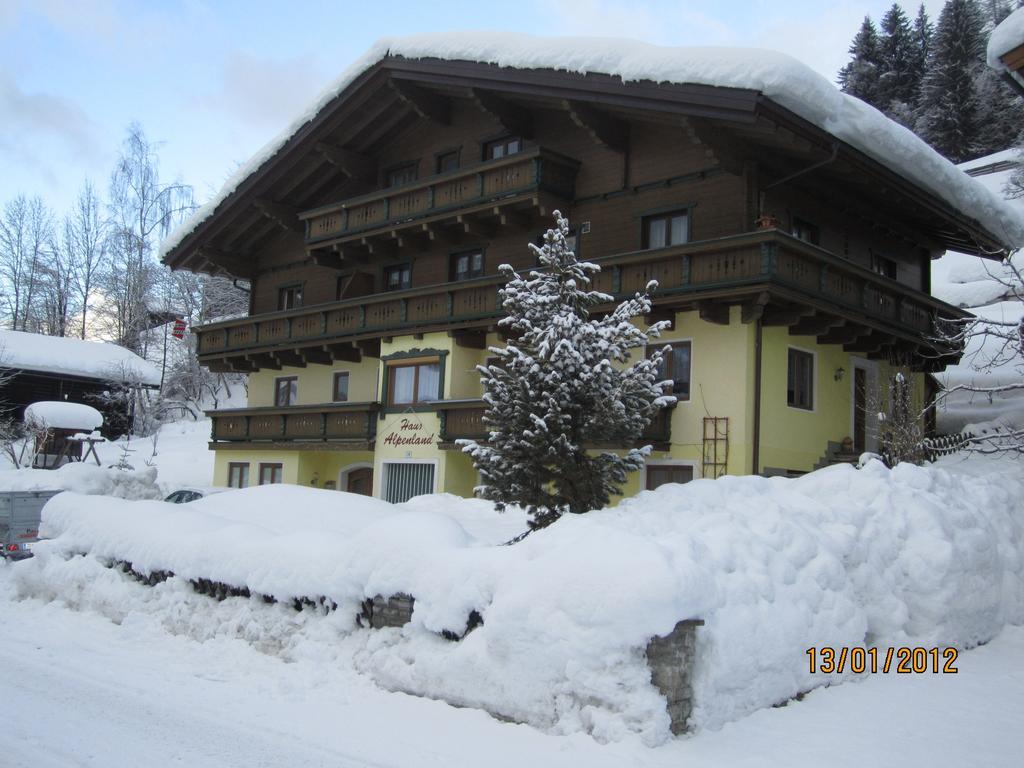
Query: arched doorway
[{"x": 357, "y": 478}]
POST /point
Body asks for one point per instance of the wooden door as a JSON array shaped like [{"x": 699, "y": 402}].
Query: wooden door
[
  {"x": 360, "y": 481},
  {"x": 860, "y": 407}
]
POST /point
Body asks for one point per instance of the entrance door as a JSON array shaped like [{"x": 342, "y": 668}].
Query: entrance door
[
  {"x": 860, "y": 409},
  {"x": 360, "y": 481}
]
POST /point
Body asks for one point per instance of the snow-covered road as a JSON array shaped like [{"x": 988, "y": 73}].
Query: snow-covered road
[{"x": 78, "y": 690}]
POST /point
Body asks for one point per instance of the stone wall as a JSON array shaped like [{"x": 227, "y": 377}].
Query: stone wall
[{"x": 671, "y": 659}]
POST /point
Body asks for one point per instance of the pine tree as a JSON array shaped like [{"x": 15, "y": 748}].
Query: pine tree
[
  {"x": 922, "y": 37},
  {"x": 555, "y": 390},
  {"x": 896, "y": 85},
  {"x": 860, "y": 77},
  {"x": 949, "y": 115}
]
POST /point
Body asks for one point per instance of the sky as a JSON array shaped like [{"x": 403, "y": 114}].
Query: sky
[{"x": 211, "y": 82}]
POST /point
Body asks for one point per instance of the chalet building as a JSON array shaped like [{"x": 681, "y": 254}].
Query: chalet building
[
  {"x": 1006, "y": 50},
  {"x": 793, "y": 264}
]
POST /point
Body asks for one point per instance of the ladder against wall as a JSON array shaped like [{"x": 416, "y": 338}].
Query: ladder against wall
[{"x": 716, "y": 446}]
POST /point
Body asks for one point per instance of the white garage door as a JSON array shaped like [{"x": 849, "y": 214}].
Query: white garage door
[{"x": 403, "y": 480}]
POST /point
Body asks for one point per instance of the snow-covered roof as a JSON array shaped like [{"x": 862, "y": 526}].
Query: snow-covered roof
[
  {"x": 60, "y": 415},
  {"x": 997, "y": 161},
  {"x": 73, "y": 357},
  {"x": 1004, "y": 38},
  {"x": 777, "y": 76}
]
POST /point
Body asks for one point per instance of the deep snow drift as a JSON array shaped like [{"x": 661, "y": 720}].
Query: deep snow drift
[{"x": 919, "y": 556}]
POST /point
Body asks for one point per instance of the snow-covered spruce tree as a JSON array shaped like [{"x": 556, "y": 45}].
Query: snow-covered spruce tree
[
  {"x": 861, "y": 75},
  {"x": 554, "y": 392}
]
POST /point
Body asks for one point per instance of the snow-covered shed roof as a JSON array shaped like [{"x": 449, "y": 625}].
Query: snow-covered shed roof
[
  {"x": 776, "y": 76},
  {"x": 60, "y": 415},
  {"x": 1005, "y": 37},
  {"x": 73, "y": 357}
]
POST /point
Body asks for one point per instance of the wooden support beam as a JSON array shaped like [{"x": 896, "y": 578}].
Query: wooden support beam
[
  {"x": 718, "y": 145},
  {"x": 345, "y": 351},
  {"x": 788, "y": 316},
  {"x": 316, "y": 355},
  {"x": 509, "y": 217},
  {"x": 330, "y": 259},
  {"x": 428, "y": 105},
  {"x": 661, "y": 315},
  {"x": 264, "y": 361},
  {"x": 816, "y": 325},
  {"x": 843, "y": 334},
  {"x": 369, "y": 347},
  {"x": 355, "y": 165},
  {"x": 238, "y": 264},
  {"x": 603, "y": 128},
  {"x": 754, "y": 310},
  {"x": 475, "y": 227},
  {"x": 290, "y": 358},
  {"x": 513, "y": 118},
  {"x": 471, "y": 338},
  {"x": 284, "y": 216},
  {"x": 713, "y": 312},
  {"x": 386, "y": 248}
]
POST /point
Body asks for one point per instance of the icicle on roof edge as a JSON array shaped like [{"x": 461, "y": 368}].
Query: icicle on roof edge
[{"x": 778, "y": 76}]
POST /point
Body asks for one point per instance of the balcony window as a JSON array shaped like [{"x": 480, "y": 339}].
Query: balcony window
[
  {"x": 675, "y": 367},
  {"x": 800, "y": 380},
  {"x": 341, "y": 387},
  {"x": 286, "y": 391},
  {"x": 289, "y": 297},
  {"x": 238, "y": 474},
  {"x": 665, "y": 229},
  {"x": 398, "y": 277},
  {"x": 402, "y": 174},
  {"x": 466, "y": 266},
  {"x": 509, "y": 145},
  {"x": 806, "y": 231},
  {"x": 414, "y": 383},
  {"x": 880, "y": 265},
  {"x": 448, "y": 161},
  {"x": 271, "y": 474}
]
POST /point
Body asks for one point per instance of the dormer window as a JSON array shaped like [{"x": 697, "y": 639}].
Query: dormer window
[{"x": 499, "y": 148}]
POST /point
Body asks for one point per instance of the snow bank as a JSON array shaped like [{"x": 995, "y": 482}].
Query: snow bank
[
  {"x": 919, "y": 556},
  {"x": 779, "y": 77},
  {"x": 56, "y": 414},
  {"x": 85, "y": 479},
  {"x": 74, "y": 357},
  {"x": 1005, "y": 37}
]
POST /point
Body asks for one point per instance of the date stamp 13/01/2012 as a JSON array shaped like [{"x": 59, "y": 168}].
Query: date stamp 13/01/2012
[{"x": 903, "y": 661}]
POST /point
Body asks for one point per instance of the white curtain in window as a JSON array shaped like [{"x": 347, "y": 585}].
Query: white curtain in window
[
  {"x": 678, "y": 229},
  {"x": 430, "y": 376},
  {"x": 404, "y": 381}
]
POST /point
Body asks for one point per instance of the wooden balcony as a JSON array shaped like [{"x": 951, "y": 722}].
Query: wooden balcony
[
  {"x": 809, "y": 289},
  {"x": 508, "y": 182},
  {"x": 464, "y": 420},
  {"x": 328, "y": 424}
]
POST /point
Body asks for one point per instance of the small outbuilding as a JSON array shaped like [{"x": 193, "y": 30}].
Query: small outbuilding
[
  {"x": 72, "y": 371},
  {"x": 60, "y": 429}
]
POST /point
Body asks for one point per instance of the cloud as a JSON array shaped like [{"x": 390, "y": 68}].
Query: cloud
[
  {"x": 266, "y": 92},
  {"x": 31, "y": 118},
  {"x": 664, "y": 23}
]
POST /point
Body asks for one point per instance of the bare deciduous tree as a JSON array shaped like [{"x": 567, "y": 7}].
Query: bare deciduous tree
[{"x": 26, "y": 235}]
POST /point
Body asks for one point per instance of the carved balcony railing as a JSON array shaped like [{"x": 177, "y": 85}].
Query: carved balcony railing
[
  {"x": 721, "y": 270},
  {"x": 464, "y": 420},
  {"x": 342, "y": 422},
  {"x": 494, "y": 182}
]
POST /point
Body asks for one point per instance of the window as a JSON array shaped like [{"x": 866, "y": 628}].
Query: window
[
  {"x": 666, "y": 229},
  {"x": 495, "y": 150},
  {"x": 448, "y": 161},
  {"x": 403, "y": 480},
  {"x": 660, "y": 474},
  {"x": 402, "y": 174},
  {"x": 289, "y": 297},
  {"x": 800, "y": 380},
  {"x": 398, "y": 277},
  {"x": 675, "y": 366},
  {"x": 270, "y": 474},
  {"x": 806, "y": 231},
  {"x": 286, "y": 391},
  {"x": 412, "y": 383},
  {"x": 880, "y": 265},
  {"x": 341, "y": 387},
  {"x": 467, "y": 265},
  {"x": 238, "y": 474}
]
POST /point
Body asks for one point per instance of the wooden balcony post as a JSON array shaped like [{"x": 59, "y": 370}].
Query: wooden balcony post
[
  {"x": 247, "y": 418},
  {"x": 403, "y": 310},
  {"x": 823, "y": 278},
  {"x": 430, "y": 197},
  {"x": 769, "y": 252},
  {"x": 479, "y": 185},
  {"x": 616, "y": 280},
  {"x": 451, "y": 302},
  {"x": 684, "y": 270}
]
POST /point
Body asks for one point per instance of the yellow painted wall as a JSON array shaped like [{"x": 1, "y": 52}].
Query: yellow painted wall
[
  {"x": 316, "y": 383},
  {"x": 289, "y": 461},
  {"x": 298, "y": 467}
]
